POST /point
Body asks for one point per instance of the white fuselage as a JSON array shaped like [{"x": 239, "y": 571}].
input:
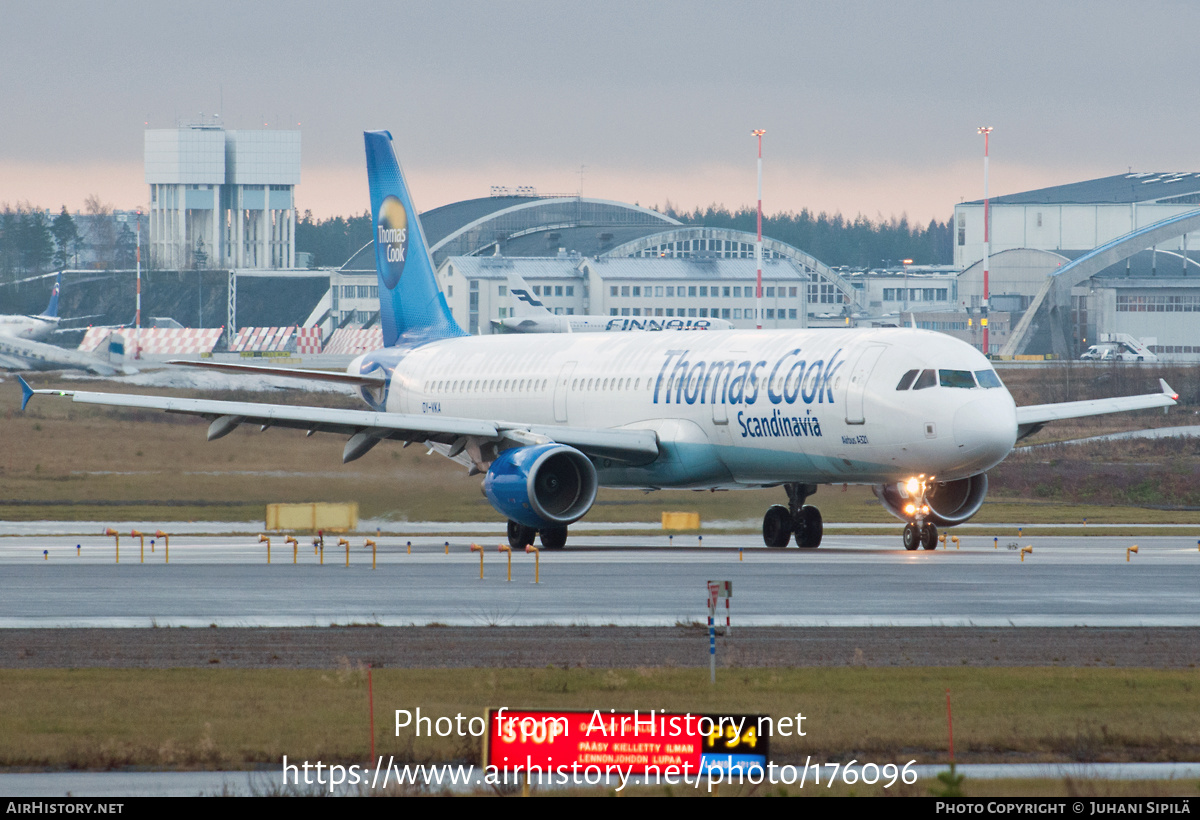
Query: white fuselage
[
  {"x": 734, "y": 408},
  {"x": 26, "y": 327},
  {"x": 550, "y": 323},
  {"x": 25, "y": 354}
]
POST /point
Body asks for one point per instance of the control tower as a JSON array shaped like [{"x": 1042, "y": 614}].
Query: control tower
[{"x": 222, "y": 199}]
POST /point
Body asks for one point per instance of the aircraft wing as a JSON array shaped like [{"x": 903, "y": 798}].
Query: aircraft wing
[
  {"x": 1032, "y": 418},
  {"x": 338, "y": 377},
  {"x": 367, "y": 428}
]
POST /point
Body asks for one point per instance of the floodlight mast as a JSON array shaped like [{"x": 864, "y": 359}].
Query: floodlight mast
[
  {"x": 137, "y": 314},
  {"x": 758, "y": 253},
  {"x": 987, "y": 240}
]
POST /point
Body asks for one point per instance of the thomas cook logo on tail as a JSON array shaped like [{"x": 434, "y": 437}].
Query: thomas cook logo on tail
[{"x": 391, "y": 240}]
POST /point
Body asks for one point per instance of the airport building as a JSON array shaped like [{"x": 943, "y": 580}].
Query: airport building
[
  {"x": 600, "y": 257},
  {"x": 1088, "y": 260},
  {"x": 1068, "y": 263},
  {"x": 222, "y": 199},
  {"x": 1074, "y": 218},
  {"x": 476, "y": 288}
]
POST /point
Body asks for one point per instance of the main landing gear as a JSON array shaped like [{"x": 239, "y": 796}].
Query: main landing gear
[
  {"x": 919, "y": 532},
  {"x": 781, "y": 522},
  {"x": 520, "y": 536}
]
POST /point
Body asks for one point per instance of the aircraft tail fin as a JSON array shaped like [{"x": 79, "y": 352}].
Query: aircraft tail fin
[
  {"x": 524, "y": 302},
  {"x": 411, "y": 306},
  {"x": 51, "y": 311}
]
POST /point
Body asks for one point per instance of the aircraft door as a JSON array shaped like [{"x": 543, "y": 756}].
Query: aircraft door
[
  {"x": 716, "y": 393},
  {"x": 561, "y": 389},
  {"x": 856, "y": 385}
]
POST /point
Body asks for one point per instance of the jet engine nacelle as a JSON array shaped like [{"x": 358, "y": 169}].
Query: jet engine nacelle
[
  {"x": 546, "y": 485},
  {"x": 950, "y": 502}
]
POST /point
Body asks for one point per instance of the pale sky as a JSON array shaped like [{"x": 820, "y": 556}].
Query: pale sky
[{"x": 869, "y": 107}]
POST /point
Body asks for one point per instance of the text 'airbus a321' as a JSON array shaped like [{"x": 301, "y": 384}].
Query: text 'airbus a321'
[{"x": 547, "y": 420}]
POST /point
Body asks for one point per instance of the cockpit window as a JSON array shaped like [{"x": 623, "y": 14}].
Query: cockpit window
[
  {"x": 928, "y": 378},
  {"x": 956, "y": 378},
  {"x": 988, "y": 378},
  {"x": 907, "y": 379}
]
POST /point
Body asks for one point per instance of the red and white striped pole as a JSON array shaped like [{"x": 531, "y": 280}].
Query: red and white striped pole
[
  {"x": 987, "y": 240},
  {"x": 137, "y": 316},
  {"x": 758, "y": 308}
]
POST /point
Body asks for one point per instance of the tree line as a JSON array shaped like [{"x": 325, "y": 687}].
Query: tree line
[
  {"x": 32, "y": 242},
  {"x": 836, "y": 240},
  {"x": 332, "y": 241}
]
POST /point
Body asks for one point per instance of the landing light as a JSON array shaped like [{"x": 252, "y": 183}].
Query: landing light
[{"x": 913, "y": 485}]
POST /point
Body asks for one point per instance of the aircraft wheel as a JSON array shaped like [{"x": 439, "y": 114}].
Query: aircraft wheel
[
  {"x": 520, "y": 536},
  {"x": 912, "y": 536},
  {"x": 809, "y": 528},
  {"x": 554, "y": 538},
  {"x": 929, "y": 537},
  {"x": 777, "y": 526}
]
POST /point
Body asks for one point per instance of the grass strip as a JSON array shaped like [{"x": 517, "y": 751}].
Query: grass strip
[{"x": 229, "y": 718}]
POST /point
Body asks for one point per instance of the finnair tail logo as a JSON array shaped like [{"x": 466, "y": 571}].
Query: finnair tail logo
[{"x": 524, "y": 296}]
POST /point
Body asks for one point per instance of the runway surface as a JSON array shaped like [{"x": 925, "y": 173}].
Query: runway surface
[{"x": 602, "y": 580}]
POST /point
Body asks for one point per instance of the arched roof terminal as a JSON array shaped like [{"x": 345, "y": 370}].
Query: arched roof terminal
[
  {"x": 539, "y": 226},
  {"x": 527, "y": 226},
  {"x": 726, "y": 242},
  {"x": 589, "y": 223}
]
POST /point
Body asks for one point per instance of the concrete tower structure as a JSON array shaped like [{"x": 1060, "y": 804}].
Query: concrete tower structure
[{"x": 222, "y": 199}]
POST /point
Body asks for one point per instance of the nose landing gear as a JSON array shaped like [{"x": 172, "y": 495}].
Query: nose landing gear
[
  {"x": 919, "y": 532},
  {"x": 780, "y": 522}
]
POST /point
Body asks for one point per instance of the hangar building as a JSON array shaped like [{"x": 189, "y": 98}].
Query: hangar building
[{"x": 1090, "y": 258}]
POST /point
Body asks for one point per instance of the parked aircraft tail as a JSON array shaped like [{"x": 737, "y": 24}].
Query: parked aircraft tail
[
  {"x": 51, "y": 311},
  {"x": 411, "y": 306},
  {"x": 524, "y": 302}
]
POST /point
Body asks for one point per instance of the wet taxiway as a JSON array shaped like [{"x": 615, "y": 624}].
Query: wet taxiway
[{"x": 852, "y": 580}]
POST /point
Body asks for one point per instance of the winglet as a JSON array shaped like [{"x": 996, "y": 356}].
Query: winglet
[
  {"x": 26, "y": 393},
  {"x": 1167, "y": 391}
]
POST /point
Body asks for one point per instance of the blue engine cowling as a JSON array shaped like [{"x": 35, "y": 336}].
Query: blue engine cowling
[{"x": 547, "y": 485}]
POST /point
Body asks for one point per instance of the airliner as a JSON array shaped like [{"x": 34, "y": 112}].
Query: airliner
[
  {"x": 25, "y": 354},
  {"x": 20, "y": 350},
  {"x": 22, "y": 326},
  {"x": 918, "y": 415},
  {"x": 530, "y": 315}
]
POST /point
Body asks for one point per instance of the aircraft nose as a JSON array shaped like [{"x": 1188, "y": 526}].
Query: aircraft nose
[{"x": 985, "y": 429}]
